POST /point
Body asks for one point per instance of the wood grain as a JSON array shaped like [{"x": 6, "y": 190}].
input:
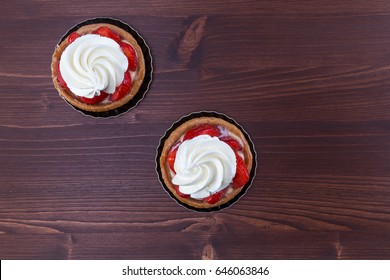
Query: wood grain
[{"x": 308, "y": 80}]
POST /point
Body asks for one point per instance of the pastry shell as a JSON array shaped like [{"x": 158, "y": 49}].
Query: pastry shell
[
  {"x": 100, "y": 107},
  {"x": 174, "y": 134}
]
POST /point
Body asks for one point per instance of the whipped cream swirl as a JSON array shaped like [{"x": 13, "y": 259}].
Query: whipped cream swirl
[
  {"x": 204, "y": 165},
  {"x": 91, "y": 64}
]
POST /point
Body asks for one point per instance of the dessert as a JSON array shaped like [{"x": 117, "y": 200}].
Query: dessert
[
  {"x": 98, "y": 67},
  {"x": 206, "y": 162}
]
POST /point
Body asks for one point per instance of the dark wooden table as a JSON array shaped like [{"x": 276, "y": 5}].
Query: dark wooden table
[{"x": 308, "y": 80}]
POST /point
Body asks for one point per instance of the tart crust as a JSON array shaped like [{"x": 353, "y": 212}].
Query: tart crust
[
  {"x": 100, "y": 107},
  {"x": 175, "y": 136}
]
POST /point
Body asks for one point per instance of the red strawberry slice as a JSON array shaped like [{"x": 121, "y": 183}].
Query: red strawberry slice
[
  {"x": 107, "y": 32},
  {"x": 94, "y": 100},
  {"x": 172, "y": 157},
  {"x": 179, "y": 192},
  {"x": 59, "y": 77},
  {"x": 129, "y": 52},
  {"x": 242, "y": 174},
  {"x": 214, "y": 198},
  {"x": 200, "y": 130},
  {"x": 123, "y": 88},
  {"x": 233, "y": 143},
  {"x": 73, "y": 36}
]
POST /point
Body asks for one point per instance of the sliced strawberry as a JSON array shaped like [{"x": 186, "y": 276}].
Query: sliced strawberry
[
  {"x": 94, "y": 100},
  {"x": 179, "y": 192},
  {"x": 59, "y": 77},
  {"x": 242, "y": 174},
  {"x": 214, "y": 198},
  {"x": 129, "y": 52},
  {"x": 200, "y": 130},
  {"x": 73, "y": 36},
  {"x": 123, "y": 88},
  {"x": 233, "y": 143},
  {"x": 172, "y": 157},
  {"x": 107, "y": 32}
]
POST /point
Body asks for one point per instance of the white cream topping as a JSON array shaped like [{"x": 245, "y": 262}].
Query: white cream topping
[
  {"x": 204, "y": 165},
  {"x": 91, "y": 64}
]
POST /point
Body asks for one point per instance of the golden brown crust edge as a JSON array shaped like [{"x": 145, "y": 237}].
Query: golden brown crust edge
[
  {"x": 136, "y": 84},
  {"x": 175, "y": 136}
]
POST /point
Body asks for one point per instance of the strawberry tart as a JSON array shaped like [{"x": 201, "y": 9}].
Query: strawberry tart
[
  {"x": 206, "y": 162},
  {"x": 98, "y": 67}
]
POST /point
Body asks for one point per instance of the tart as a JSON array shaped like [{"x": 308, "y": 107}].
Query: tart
[
  {"x": 98, "y": 67},
  {"x": 206, "y": 162}
]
